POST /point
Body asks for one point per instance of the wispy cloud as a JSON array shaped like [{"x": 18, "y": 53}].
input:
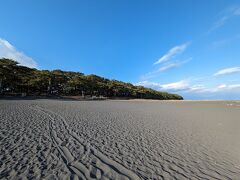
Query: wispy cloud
[
  {"x": 226, "y": 15},
  {"x": 169, "y": 66},
  {"x": 227, "y": 71},
  {"x": 172, "y": 53},
  {"x": 220, "y": 22},
  {"x": 7, "y": 50},
  {"x": 166, "y": 67}
]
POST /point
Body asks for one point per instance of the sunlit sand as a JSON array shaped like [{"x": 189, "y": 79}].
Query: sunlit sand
[{"x": 119, "y": 139}]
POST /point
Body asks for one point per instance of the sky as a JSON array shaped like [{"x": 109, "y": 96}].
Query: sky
[{"x": 187, "y": 47}]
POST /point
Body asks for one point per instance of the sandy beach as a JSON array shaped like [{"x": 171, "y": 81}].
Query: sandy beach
[{"x": 132, "y": 139}]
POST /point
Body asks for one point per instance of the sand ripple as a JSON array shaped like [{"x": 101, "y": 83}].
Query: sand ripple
[{"x": 118, "y": 140}]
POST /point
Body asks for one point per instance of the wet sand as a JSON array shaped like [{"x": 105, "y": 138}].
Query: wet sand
[{"x": 57, "y": 139}]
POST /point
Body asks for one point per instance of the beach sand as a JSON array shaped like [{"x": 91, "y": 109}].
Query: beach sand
[{"x": 132, "y": 139}]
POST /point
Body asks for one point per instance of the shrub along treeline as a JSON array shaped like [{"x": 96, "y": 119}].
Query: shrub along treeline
[{"x": 15, "y": 78}]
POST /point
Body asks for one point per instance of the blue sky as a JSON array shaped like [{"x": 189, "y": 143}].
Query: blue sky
[{"x": 187, "y": 47}]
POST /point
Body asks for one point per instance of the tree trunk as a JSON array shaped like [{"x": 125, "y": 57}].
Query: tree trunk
[
  {"x": 49, "y": 86},
  {"x": 1, "y": 80}
]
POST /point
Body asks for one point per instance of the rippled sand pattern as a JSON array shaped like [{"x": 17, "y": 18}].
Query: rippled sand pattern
[{"x": 51, "y": 139}]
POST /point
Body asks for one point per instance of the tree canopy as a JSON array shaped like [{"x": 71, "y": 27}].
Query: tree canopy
[{"x": 15, "y": 78}]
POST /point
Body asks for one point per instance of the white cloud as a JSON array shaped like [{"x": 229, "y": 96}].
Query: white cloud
[
  {"x": 220, "y": 22},
  {"x": 226, "y": 15},
  {"x": 7, "y": 50},
  {"x": 222, "y": 91},
  {"x": 227, "y": 71},
  {"x": 168, "y": 66},
  {"x": 228, "y": 87},
  {"x": 215, "y": 89},
  {"x": 164, "y": 67},
  {"x": 222, "y": 88},
  {"x": 187, "y": 87},
  {"x": 172, "y": 53},
  {"x": 175, "y": 86},
  {"x": 173, "y": 65}
]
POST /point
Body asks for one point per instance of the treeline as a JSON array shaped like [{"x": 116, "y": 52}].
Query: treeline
[{"x": 15, "y": 78}]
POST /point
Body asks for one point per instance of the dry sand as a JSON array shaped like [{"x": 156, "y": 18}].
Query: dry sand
[{"x": 56, "y": 139}]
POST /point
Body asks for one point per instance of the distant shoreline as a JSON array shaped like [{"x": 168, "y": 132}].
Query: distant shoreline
[{"x": 79, "y": 98}]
